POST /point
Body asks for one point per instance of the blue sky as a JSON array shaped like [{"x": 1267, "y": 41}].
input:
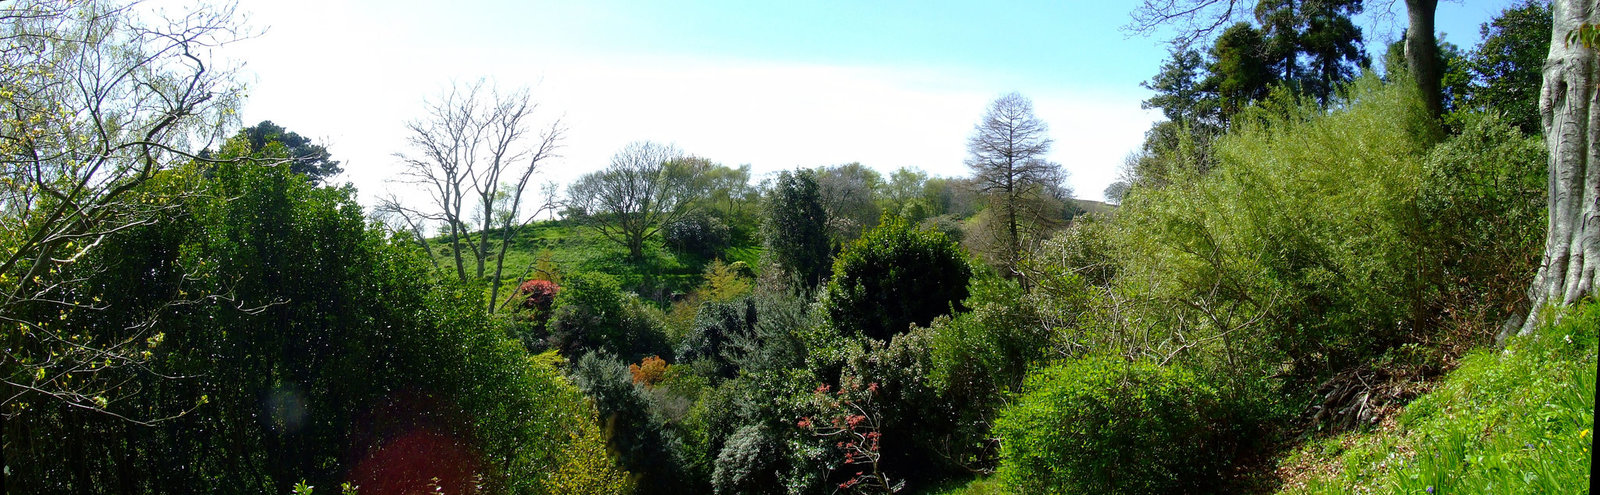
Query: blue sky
[{"x": 773, "y": 84}]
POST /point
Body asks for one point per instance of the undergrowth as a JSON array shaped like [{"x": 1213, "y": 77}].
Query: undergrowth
[{"x": 1513, "y": 420}]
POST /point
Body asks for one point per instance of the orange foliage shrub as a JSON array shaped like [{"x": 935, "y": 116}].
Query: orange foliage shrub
[{"x": 649, "y": 372}]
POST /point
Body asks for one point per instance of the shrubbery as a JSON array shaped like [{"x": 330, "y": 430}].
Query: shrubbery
[
  {"x": 341, "y": 362},
  {"x": 592, "y": 313},
  {"x": 1106, "y": 425},
  {"x": 896, "y": 276},
  {"x": 1517, "y": 420},
  {"x": 698, "y": 233}
]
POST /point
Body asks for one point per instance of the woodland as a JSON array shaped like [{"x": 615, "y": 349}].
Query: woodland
[{"x": 1320, "y": 273}]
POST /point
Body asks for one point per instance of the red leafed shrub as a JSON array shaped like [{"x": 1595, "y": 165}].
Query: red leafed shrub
[
  {"x": 649, "y": 372},
  {"x": 849, "y": 419},
  {"x": 538, "y": 294}
]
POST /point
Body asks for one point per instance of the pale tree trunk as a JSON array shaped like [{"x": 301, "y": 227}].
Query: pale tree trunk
[
  {"x": 1571, "y": 122},
  {"x": 1422, "y": 54}
]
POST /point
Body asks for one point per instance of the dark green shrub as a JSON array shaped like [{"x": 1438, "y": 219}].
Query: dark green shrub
[
  {"x": 715, "y": 325},
  {"x": 1482, "y": 200},
  {"x": 321, "y": 348},
  {"x": 642, "y": 441},
  {"x": 746, "y": 463},
  {"x": 592, "y": 313},
  {"x": 1105, "y": 425},
  {"x": 796, "y": 227},
  {"x": 698, "y": 233},
  {"x": 894, "y": 277}
]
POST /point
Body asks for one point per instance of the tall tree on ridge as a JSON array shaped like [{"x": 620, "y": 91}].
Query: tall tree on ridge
[{"x": 1006, "y": 155}]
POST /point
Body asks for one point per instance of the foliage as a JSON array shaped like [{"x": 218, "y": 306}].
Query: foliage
[
  {"x": 1106, "y": 425},
  {"x": 746, "y": 463},
  {"x": 973, "y": 360},
  {"x": 1509, "y": 64},
  {"x": 645, "y": 445},
  {"x": 849, "y": 199},
  {"x": 1305, "y": 238},
  {"x": 99, "y": 97},
  {"x": 649, "y": 372},
  {"x": 697, "y": 233},
  {"x": 725, "y": 282},
  {"x": 538, "y": 295},
  {"x": 305, "y": 157},
  {"x": 647, "y": 187},
  {"x": 796, "y": 227},
  {"x": 1517, "y": 420},
  {"x": 590, "y": 469},
  {"x": 896, "y": 276},
  {"x": 851, "y": 420},
  {"x": 716, "y": 325},
  {"x": 592, "y": 313},
  {"x": 1482, "y": 201},
  {"x": 299, "y": 357}
]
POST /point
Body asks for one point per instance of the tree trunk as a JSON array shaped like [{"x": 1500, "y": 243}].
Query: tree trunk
[
  {"x": 1568, "y": 111},
  {"x": 1422, "y": 54}
]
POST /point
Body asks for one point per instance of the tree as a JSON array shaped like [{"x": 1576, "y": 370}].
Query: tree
[
  {"x": 902, "y": 194},
  {"x": 1332, "y": 45},
  {"x": 1241, "y": 70},
  {"x": 99, "y": 99},
  {"x": 894, "y": 277},
  {"x": 647, "y": 186},
  {"x": 472, "y": 157},
  {"x": 1569, "y": 115},
  {"x": 1180, "y": 94},
  {"x": 1509, "y": 64},
  {"x": 849, "y": 195},
  {"x": 1422, "y": 54},
  {"x": 796, "y": 227},
  {"x": 1006, "y": 155},
  {"x": 305, "y": 157},
  {"x": 1199, "y": 19}
]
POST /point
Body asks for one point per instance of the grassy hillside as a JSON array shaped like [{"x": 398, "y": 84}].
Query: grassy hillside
[
  {"x": 1512, "y": 420},
  {"x": 573, "y": 248}
]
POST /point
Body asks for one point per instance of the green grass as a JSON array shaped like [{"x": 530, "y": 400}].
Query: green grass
[
  {"x": 978, "y": 486},
  {"x": 1512, "y": 420},
  {"x": 574, "y": 248}
]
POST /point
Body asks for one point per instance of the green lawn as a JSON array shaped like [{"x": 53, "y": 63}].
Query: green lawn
[
  {"x": 573, "y": 248},
  {"x": 1512, "y": 420}
]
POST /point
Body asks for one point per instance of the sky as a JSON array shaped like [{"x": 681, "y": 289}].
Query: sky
[{"x": 775, "y": 85}]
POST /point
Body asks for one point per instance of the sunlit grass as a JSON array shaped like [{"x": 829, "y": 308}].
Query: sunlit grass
[{"x": 1512, "y": 420}]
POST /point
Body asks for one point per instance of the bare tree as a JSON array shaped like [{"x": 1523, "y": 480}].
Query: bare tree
[
  {"x": 849, "y": 195},
  {"x": 1571, "y": 122},
  {"x": 1198, "y": 19},
  {"x": 97, "y": 100},
  {"x": 1006, "y": 155},
  {"x": 472, "y": 155},
  {"x": 647, "y": 186}
]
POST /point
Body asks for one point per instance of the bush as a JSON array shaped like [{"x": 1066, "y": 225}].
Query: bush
[
  {"x": 796, "y": 227},
  {"x": 592, "y": 313},
  {"x": 538, "y": 295},
  {"x": 1302, "y": 245},
  {"x": 330, "y": 353},
  {"x": 1482, "y": 200},
  {"x": 715, "y": 326},
  {"x": 746, "y": 463},
  {"x": 894, "y": 277},
  {"x": 699, "y": 234},
  {"x": 641, "y": 439},
  {"x": 1105, "y": 425}
]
